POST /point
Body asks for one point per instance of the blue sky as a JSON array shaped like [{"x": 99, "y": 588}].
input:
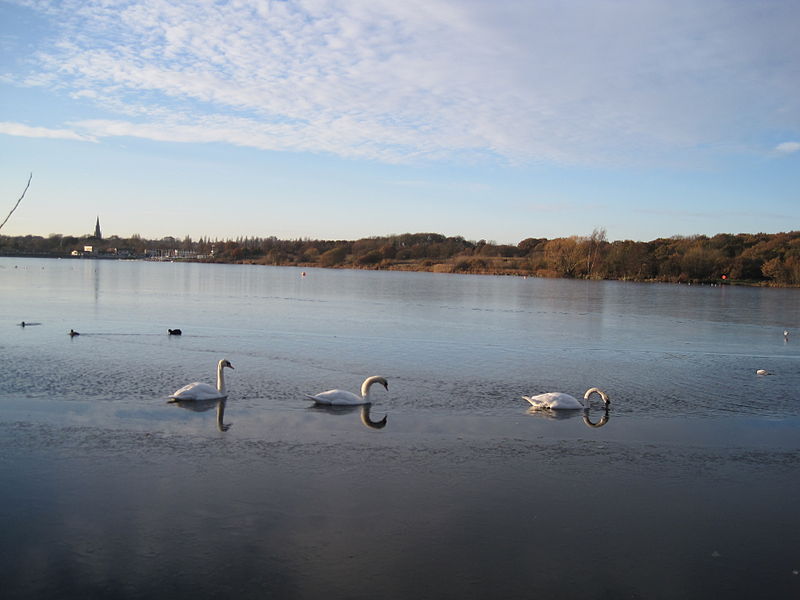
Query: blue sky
[{"x": 338, "y": 120}]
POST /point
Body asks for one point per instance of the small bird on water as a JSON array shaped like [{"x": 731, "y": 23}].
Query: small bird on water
[
  {"x": 174, "y": 331},
  {"x": 73, "y": 333}
]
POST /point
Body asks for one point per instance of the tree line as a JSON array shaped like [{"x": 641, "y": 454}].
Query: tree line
[{"x": 759, "y": 259}]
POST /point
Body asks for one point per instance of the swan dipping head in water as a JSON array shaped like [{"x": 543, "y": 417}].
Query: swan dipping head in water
[
  {"x": 561, "y": 401},
  {"x": 204, "y": 391},
  {"x": 345, "y": 398}
]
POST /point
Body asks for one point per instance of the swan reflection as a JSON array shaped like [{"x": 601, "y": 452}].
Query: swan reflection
[
  {"x": 559, "y": 415},
  {"x": 205, "y": 405},
  {"x": 363, "y": 409},
  {"x": 599, "y": 423}
]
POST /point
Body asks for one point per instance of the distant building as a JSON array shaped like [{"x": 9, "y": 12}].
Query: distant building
[{"x": 97, "y": 234}]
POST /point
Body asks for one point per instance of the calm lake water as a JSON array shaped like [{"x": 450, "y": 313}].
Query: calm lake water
[{"x": 687, "y": 490}]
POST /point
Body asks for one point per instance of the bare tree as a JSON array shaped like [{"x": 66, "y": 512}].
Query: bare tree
[
  {"x": 18, "y": 201},
  {"x": 594, "y": 243}
]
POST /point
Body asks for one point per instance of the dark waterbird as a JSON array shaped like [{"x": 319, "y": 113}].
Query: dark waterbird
[{"x": 174, "y": 331}]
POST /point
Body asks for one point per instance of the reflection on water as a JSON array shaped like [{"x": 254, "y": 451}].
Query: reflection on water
[
  {"x": 109, "y": 491},
  {"x": 599, "y": 423},
  {"x": 456, "y": 506},
  {"x": 206, "y": 405},
  {"x": 364, "y": 411},
  {"x": 562, "y": 415}
]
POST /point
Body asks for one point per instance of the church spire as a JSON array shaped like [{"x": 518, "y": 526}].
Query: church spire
[{"x": 97, "y": 233}]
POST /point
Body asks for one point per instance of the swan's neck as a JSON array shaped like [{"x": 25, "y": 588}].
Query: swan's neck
[
  {"x": 220, "y": 379},
  {"x": 366, "y": 385},
  {"x": 597, "y": 391},
  {"x": 365, "y": 389}
]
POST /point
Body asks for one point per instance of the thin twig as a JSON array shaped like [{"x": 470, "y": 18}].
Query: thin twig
[{"x": 18, "y": 201}]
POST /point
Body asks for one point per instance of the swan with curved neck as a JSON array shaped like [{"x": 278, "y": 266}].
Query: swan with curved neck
[
  {"x": 345, "y": 398},
  {"x": 204, "y": 391},
  {"x": 561, "y": 401}
]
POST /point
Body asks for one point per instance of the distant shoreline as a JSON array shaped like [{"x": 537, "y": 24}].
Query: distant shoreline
[
  {"x": 761, "y": 259},
  {"x": 406, "y": 266}
]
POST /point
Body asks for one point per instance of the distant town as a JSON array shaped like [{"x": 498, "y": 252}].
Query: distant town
[
  {"x": 770, "y": 259},
  {"x": 94, "y": 245}
]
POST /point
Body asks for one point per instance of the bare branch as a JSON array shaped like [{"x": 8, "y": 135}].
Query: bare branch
[{"x": 18, "y": 201}]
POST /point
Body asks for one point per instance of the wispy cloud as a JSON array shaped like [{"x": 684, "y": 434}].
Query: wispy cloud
[
  {"x": 21, "y": 130},
  {"x": 430, "y": 79},
  {"x": 787, "y": 147}
]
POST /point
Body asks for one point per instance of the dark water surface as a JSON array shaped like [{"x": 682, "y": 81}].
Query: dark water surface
[{"x": 689, "y": 490}]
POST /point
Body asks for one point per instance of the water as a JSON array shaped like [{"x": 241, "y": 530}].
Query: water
[{"x": 686, "y": 491}]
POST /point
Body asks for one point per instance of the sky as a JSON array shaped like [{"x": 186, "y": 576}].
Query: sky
[{"x": 326, "y": 119}]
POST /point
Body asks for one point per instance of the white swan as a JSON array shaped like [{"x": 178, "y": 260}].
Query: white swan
[
  {"x": 204, "y": 391},
  {"x": 561, "y": 401},
  {"x": 344, "y": 398}
]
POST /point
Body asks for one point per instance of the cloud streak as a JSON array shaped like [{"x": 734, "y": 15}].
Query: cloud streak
[
  {"x": 21, "y": 130},
  {"x": 788, "y": 147},
  {"x": 429, "y": 80}
]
